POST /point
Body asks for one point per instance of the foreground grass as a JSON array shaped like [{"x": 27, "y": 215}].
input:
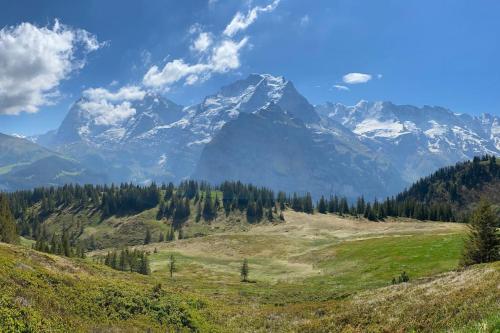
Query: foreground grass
[
  {"x": 44, "y": 293},
  {"x": 310, "y": 274}
]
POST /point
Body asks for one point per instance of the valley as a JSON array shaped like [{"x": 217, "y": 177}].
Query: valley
[{"x": 257, "y": 166}]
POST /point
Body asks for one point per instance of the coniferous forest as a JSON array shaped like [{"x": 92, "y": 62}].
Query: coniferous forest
[{"x": 443, "y": 196}]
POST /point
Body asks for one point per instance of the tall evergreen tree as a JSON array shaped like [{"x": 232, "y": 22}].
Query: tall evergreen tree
[
  {"x": 322, "y": 205},
  {"x": 147, "y": 238},
  {"x": 483, "y": 243},
  {"x": 245, "y": 270},
  {"x": 172, "y": 266},
  {"x": 8, "y": 233}
]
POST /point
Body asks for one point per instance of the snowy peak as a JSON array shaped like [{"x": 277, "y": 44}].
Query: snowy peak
[
  {"x": 102, "y": 122},
  {"x": 258, "y": 91},
  {"x": 419, "y": 139}
]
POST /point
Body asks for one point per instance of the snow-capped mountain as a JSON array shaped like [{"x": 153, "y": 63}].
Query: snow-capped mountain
[
  {"x": 261, "y": 128},
  {"x": 250, "y": 95},
  {"x": 417, "y": 140},
  {"x": 83, "y": 123},
  {"x": 271, "y": 148}
]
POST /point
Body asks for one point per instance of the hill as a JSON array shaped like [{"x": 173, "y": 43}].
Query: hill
[
  {"x": 461, "y": 186},
  {"x": 25, "y": 165}
]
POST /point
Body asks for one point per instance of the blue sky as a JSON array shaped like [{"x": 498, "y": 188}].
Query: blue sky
[{"x": 416, "y": 52}]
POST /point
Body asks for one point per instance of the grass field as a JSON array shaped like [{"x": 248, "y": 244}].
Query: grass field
[{"x": 312, "y": 273}]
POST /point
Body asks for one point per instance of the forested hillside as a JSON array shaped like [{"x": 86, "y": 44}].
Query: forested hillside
[
  {"x": 88, "y": 217},
  {"x": 460, "y": 186},
  {"x": 82, "y": 218}
]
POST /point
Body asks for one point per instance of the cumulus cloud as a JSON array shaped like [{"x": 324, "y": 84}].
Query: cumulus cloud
[
  {"x": 34, "y": 60},
  {"x": 356, "y": 78},
  {"x": 172, "y": 72},
  {"x": 105, "y": 113},
  {"x": 127, "y": 93},
  {"x": 341, "y": 87},
  {"x": 202, "y": 43},
  {"x": 216, "y": 54},
  {"x": 110, "y": 108}
]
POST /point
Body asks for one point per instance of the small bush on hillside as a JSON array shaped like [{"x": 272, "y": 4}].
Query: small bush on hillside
[{"x": 402, "y": 278}]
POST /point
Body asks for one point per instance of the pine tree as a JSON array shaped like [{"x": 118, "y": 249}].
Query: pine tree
[
  {"x": 308, "y": 205},
  {"x": 171, "y": 266},
  {"x": 483, "y": 243},
  {"x": 8, "y": 233},
  {"x": 244, "y": 271},
  {"x": 147, "y": 239},
  {"x": 208, "y": 207},
  {"x": 144, "y": 265},
  {"x": 269, "y": 215},
  {"x": 65, "y": 247},
  {"x": 322, "y": 205}
]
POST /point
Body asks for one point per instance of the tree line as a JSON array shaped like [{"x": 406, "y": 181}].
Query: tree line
[{"x": 127, "y": 261}]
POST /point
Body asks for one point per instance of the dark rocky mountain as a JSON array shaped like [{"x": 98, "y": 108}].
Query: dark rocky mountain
[{"x": 272, "y": 148}]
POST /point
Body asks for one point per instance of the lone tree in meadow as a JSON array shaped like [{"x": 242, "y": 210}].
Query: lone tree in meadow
[
  {"x": 171, "y": 266},
  {"x": 8, "y": 233},
  {"x": 483, "y": 243},
  {"x": 244, "y": 271},
  {"x": 147, "y": 239}
]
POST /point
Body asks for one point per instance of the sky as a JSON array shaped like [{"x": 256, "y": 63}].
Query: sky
[{"x": 423, "y": 52}]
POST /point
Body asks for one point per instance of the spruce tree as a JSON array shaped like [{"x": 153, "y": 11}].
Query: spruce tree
[
  {"x": 147, "y": 239},
  {"x": 8, "y": 233},
  {"x": 483, "y": 243},
  {"x": 244, "y": 271},
  {"x": 322, "y": 205},
  {"x": 171, "y": 266}
]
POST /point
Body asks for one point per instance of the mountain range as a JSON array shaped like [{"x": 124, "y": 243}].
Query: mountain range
[{"x": 262, "y": 130}]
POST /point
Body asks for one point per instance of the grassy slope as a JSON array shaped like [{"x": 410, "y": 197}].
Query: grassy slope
[
  {"x": 45, "y": 293},
  {"x": 312, "y": 273}
]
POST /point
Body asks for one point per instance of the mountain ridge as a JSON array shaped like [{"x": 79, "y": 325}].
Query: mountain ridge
[{"x": 163, "y": 141}]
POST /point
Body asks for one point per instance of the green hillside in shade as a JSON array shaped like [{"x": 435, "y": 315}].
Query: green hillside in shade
[{"x": 25, "y": 165}]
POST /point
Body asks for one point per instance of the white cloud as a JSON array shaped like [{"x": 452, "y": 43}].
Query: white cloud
[
  {"x": 110, "y": 108},
  {"x": 215, "y": 54},
  {"x": 356, "y": 78},
  {"x": 241, "y": 21},
  {"x": 127, "y": 93},
  {"x": 304, "y": 20},
  {"x": 226, "y": 55},
  {"x": 202, "y": 43},
  {"x": 34, "y": 60},
  {"x": 105, "y": 113},
  {"x": 379, "y": 76},
  {"x": 341, "y": 87},
  {"x": 172, "y": 72}
]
